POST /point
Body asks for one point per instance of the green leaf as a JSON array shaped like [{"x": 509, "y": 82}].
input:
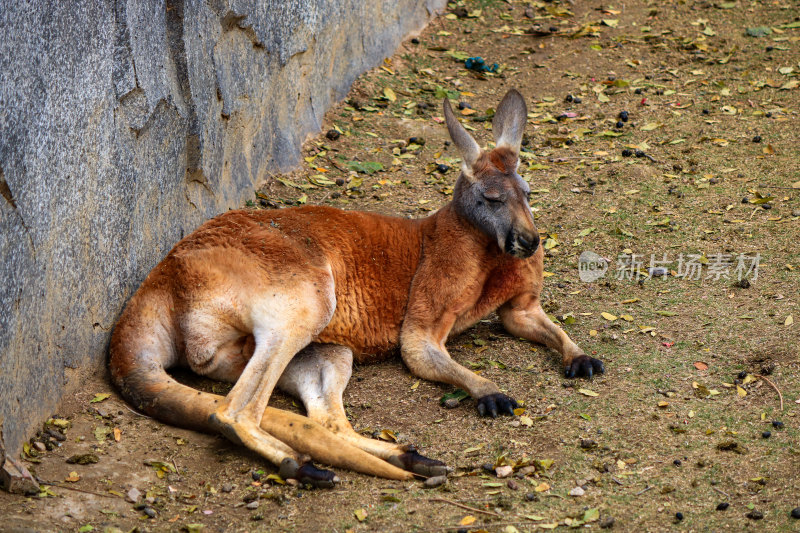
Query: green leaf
[
  {"x": 457, "y": 394},
  {"x": 86, "y": 528},
  {"x": 100, "y": 396},
  {"x": 666, "y": 313},
  {"x": 364, "y": 167},
  {"x": 591, "y": 515},
  {"x": 759, "y": 31}
]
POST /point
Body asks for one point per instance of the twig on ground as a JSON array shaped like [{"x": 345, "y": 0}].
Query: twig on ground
[
  {"x": 774, "y": 387},
  {"x": 722, "y": 492},
  {"x": 135, "y": 412},
  {"x": 643, "y": 491},
  {"x": 467, "y": 507}
]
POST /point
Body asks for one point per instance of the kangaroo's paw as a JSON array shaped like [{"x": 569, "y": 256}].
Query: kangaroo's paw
[
  {"x": 307, "y": 474},
  {"x": 584, "y": 366},
  {"x": 494, "y": 404},
  {"x": 418, "y": 464}
]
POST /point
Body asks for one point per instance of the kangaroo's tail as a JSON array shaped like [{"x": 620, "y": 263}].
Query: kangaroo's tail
[{"x": 143, "y": 345}]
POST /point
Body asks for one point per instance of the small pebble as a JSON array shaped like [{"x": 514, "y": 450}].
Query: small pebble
[
  {"x": 149, "y": 511},
  {"x": 252, "y": 505},
  {"x": 796, "y": 213},
  {"x": 723, "y": 506},
  {"x": 442, "y": 168},
  {"x": 513, "y": 485},
  {"x": 451, "y": 403},
  {"x": 766, "y": 434},
  {"x": 742, "y": 374},
  {"x": 40, "y": 446},
  {"x": 576, "y": 100},
  {"x": 577, "y": 492},
  {"x": 488, "y": 467},
  {"x": 755, "y": 515},
  {"x": 256, "y": 475},
  {"x": 679, "y": 516},
  {"x": 777, "y": 424},
  {"x": 226, "y": 487},
  {"x": 133, "y": 495},
  {"x": 531, "y": 497},
  {"x": 677, "y": 462},
  {"x": 414, "y": 41},
  {"x": 435, "y": 481},
  {"x": 757, "y": 139},
  {"x": 503, "y": 471},
  {"x": 332, "y": 135},
  {"x": 607, "y": 522},
  {"x": 620, "y": 125},
  {"x": 795, "y": 513}
]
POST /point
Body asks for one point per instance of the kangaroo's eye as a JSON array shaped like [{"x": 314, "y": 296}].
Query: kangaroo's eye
[{"x": 493, "y": 198}]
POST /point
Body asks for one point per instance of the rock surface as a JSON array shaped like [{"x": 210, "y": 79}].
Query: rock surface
[{"x": 124, "y": 125}]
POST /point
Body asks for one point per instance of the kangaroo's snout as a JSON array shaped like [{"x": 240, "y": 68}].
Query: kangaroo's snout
[{"x": 522, "y": 245}]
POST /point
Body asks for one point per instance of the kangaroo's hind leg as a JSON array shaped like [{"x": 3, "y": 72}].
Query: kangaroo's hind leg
[{"x": 318, "y": 376}]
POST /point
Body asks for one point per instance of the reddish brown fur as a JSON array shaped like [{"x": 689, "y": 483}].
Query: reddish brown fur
[{"x": 249, "y": 290}]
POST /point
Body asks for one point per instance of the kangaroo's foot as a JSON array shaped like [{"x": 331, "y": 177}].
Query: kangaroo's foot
[
  {"x": 418, "y": 464},
  {"x": 495, "y": 404},
  {"x": 583, "y": 366}
]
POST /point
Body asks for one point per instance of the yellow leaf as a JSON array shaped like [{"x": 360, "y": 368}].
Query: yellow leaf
[
  {"x": 587, "y": 392},
  {"x": 415, "y": 385},
  {"x": 592, "y": 332},
  {"x": 662, "y": 404},
  {"x": 388, "y": 435},
  {"x": 526, "y": 421},
  {"x": 740, "y": 391},
  {"x": 542, "y": 487},
  {"x": 389, "y": 94},
  {"x": 467, "y": 520},
  {"x": 361, "y": 514},
  {"x": 72, "y": 477},
  {"x": 789, "y": 321},
  {"x": 117, "y": 434},
  {"x": 627, "y": 318},
  {"x": 608, "y": 316}
]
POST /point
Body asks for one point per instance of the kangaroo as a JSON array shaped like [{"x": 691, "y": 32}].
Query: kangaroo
[{"x": 290, "y": 297}]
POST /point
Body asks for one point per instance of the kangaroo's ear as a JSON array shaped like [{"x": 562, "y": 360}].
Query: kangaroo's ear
[
  {"x": 509, "y": 121},
  {"x": 464, "y": 142}
]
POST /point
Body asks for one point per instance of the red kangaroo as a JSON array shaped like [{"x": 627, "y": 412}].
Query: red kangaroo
[{"x": 290, "y": 297}]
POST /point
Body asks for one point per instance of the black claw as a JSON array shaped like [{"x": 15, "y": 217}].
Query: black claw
[
  {"x": 419, "y": 464},
  {"x": 584, "y": 366},
  {"x": 308, "y": 474},
  {"x": 495, "y": 404}
]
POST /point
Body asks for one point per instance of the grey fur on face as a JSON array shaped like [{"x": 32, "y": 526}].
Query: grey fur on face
[{"x": 489, "y": 193}]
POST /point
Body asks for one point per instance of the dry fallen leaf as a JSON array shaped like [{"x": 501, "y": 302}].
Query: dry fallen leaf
[
  {"x": 740, "y": 391},
  {"x": 587, "y": 392},
  {"x": 467, "y": 520},
  {"x": 361, "y": 514},
  {"x": 789, "y": 321},
  {"x": 542, "y": 487},
  {"x": 608, "y": 316},
  {"x": 699, "y": 365}
]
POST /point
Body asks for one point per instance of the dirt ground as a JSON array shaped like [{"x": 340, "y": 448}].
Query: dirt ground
[{"x": 700, "y": 404}]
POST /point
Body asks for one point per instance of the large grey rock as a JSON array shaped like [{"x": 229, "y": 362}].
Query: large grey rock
[{"x": 125, "y": 124}]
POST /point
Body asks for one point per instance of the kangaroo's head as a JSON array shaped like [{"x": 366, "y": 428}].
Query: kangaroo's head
[{"x": 489, "y": 192}]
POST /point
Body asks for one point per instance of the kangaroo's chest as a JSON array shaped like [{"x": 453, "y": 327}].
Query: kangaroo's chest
[{"x": 503, "y": 282}]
